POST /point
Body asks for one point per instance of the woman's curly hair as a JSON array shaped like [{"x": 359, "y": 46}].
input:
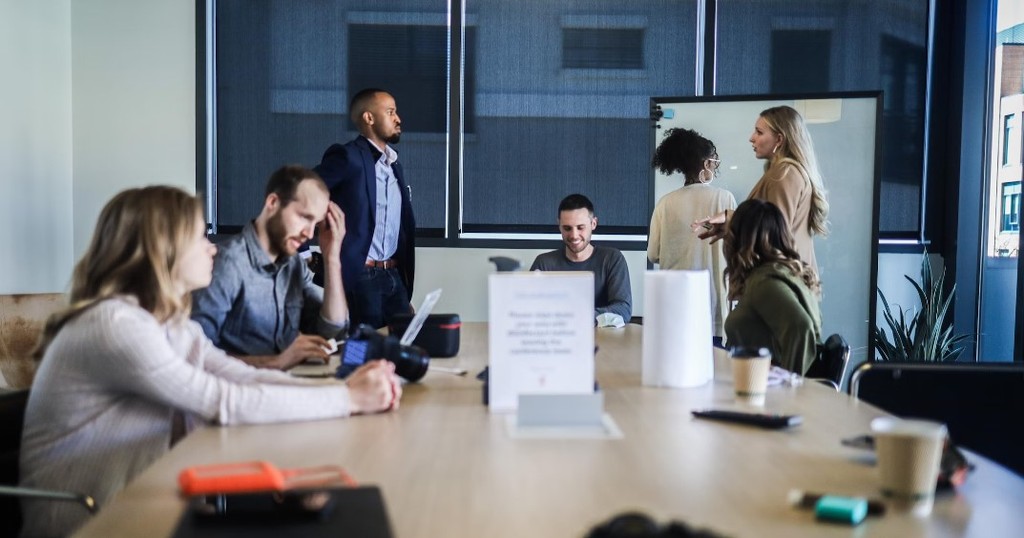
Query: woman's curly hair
[{"x": 683, "y": 151}]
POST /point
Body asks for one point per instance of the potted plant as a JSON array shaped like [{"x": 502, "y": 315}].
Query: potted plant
[{"x": 923, "y": 334}]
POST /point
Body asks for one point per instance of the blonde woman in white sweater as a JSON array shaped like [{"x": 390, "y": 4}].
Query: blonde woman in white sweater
[
  {"x": 124, "y": 357},
  {"x": 672, "y": 243}
]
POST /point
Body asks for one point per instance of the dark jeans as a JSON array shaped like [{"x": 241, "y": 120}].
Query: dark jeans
[{"x": 379, "y": 296}]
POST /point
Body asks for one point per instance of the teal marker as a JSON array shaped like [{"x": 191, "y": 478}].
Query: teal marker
[{"x": 850, "y": 510}]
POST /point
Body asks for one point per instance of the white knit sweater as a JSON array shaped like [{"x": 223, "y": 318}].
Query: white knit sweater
[
  {"x": 101, "y": 404},
  {"x": 673, "y": 245}
]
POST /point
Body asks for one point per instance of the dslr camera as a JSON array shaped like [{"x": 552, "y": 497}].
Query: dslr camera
[{"x": 366, "y": 344}]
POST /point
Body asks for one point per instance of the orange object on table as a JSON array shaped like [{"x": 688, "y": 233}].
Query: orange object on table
[{"x": 254, "y": 476}]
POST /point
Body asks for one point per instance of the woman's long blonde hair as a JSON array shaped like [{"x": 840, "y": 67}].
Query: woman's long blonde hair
[
  {"x": 758, "y": 234},
  {"x": 139, "y": 235},
  {"x": 797, "y": 149}
]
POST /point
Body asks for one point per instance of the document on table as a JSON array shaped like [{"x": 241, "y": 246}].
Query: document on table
[
  {"x": 315, "y": 369},
  {"x": 541, "y": 335}
]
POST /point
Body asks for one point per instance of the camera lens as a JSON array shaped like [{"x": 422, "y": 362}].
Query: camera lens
[{"x": 411, "y": 362}]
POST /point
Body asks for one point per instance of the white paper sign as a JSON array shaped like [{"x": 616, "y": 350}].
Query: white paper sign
[{"x": 541, "y": 335}]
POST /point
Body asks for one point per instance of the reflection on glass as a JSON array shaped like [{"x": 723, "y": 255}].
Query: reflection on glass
[
  {"x": 285, "y": 72},
  {"x": 1002, "y": 229},
  {"x": 562, "y": 96},
  {"x": 796, "y": 46}
]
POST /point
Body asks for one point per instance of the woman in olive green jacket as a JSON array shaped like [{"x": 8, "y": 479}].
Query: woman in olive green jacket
[{"x": 777, "y": 293}]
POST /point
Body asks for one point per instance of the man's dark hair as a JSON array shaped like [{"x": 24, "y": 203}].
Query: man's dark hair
[
  {"x": 574, "y": 202},
  {"x": 285, "y": 180},
  {"x": 361, "y": 100}
]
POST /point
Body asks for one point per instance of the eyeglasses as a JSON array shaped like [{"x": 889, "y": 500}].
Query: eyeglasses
[{"x": 715, "y": 162}]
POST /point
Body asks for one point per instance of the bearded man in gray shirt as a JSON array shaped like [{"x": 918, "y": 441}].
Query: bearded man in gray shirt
[
  {"x": 262, "y": 305},
  {"x": 576, "y": 222}
]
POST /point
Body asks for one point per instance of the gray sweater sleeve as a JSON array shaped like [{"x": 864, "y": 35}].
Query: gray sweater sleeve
[
  {"x": 611, "y": 278},
  {"x": 616, "y": 275}
]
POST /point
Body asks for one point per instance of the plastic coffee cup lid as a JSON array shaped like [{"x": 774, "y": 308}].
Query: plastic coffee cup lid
[
  {"x": 907, "y": 427},
  {"x": 749, "y": 352}
]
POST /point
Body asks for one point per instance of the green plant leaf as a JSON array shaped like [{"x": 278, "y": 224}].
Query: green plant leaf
[{"x": 923, "y": 334}]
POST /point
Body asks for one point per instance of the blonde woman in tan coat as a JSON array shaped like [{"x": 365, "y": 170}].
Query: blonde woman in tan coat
[{"x": 791, "y": 180}]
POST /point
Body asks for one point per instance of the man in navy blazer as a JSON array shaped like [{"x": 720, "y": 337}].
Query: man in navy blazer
[{"x": 366, "y": 180}]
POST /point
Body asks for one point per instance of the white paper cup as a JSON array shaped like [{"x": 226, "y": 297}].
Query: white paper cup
[
  {"x": 750, "y": 376},
  {"x": 909, "y": 452}
]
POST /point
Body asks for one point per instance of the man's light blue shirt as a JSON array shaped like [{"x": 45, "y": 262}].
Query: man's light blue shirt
[
  {"x": 388, "y": 213},
  {"x": 254, "y": 306}
]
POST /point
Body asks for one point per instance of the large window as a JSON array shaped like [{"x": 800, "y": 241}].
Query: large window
[
  {"x": 509, "y": 106},
  {"x": 602, "y": 48},
  {"x": 797, "y": 46},
  {"x": 403, "y": 56},
  {"x": 285, "y": 72},
  {"x": 1011, "y": 207},
  {"x": 800, "y": 61},
  {"x": 902, "y": 75},
  {"x": 562, "y": 105},
  {"x": 998, "y": 325},
  {"x": 1008, "y": 136}
]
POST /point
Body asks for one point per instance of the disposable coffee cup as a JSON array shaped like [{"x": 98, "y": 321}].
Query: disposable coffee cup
[
  {"x": 908, "y": 452},
  {"x": 750, "y": 367}
]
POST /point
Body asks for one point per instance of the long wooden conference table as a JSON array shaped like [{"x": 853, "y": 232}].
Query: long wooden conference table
[{"x": 448, "y": 468}]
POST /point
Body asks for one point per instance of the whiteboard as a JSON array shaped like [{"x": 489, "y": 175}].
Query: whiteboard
[{"x": 844, "y": 129}]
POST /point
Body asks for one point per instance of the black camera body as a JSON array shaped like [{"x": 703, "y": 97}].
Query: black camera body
[{"x": 365, "y": 344}]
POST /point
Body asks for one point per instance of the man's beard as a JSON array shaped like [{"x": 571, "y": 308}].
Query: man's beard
[
  {"x": 277, "y": 235},
  {"x": 572, "y": 248},
  {"x": 393, "y": 139}
]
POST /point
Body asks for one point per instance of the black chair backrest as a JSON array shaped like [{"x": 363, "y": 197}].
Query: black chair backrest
[
  {"x": 12, "y": 418},
  {"x": 505, "y": 264},
  {"x": 831, "y": 361},
  {"x": 982, "y": 404}
]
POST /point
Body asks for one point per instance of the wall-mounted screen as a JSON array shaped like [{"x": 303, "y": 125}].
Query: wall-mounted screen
[{"x": 844, "y": 129}]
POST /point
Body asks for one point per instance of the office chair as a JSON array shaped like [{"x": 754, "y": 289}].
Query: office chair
[
  {"x": 829, "y": 365},
  {"x": 980, "y": 403},
  {"x": 505, "y": 264},
  {"x": 12, "y": 419}
]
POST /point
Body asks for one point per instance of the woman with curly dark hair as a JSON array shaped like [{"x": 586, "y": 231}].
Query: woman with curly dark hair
[
  {"x": 777, "y": 293},
  {"x": 672, "y": 245}
]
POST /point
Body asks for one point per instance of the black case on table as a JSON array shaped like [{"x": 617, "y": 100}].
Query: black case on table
[{"x": 439, "y": 336}]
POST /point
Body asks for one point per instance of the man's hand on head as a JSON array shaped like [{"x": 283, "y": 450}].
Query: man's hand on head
[{"x": 332, "y": 231}]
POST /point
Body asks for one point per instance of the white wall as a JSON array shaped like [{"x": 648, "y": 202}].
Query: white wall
[
  {"x": 97, "y": 96},
  {"x": 133, "y": 101},
  {"x": 35, "y": 146}
]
